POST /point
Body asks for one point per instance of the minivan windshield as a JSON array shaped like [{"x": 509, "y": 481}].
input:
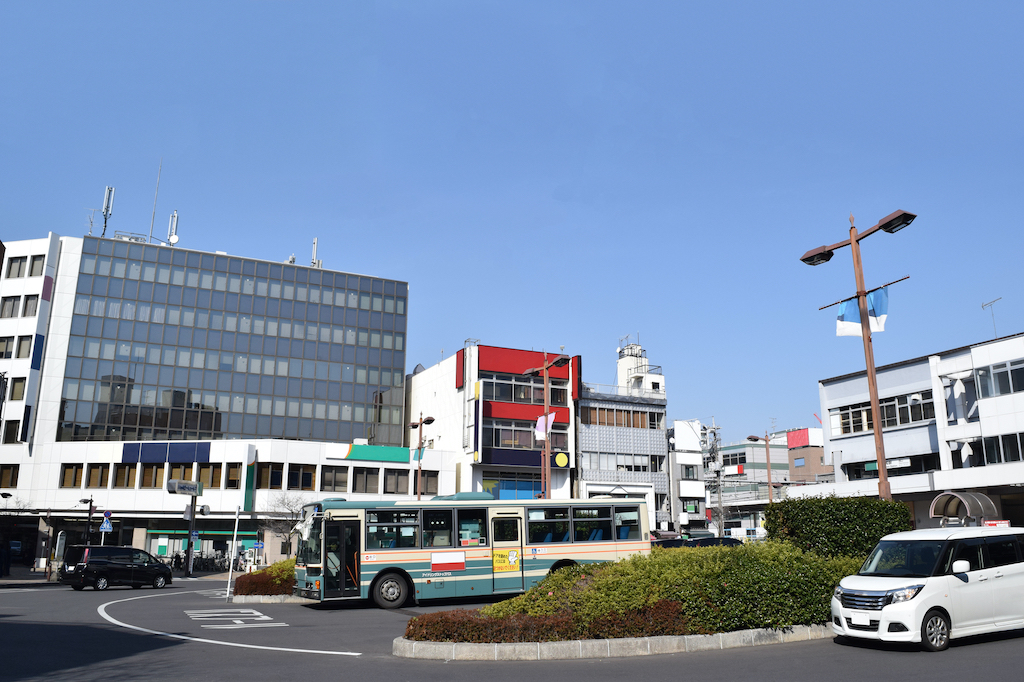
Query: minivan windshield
[{"x": 903, "y": 558}]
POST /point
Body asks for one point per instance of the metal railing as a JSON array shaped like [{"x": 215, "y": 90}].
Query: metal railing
[{"x": 626, "y": 391}]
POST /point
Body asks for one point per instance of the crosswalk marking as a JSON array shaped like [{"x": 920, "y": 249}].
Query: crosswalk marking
[{"x": 239, "y": 618}]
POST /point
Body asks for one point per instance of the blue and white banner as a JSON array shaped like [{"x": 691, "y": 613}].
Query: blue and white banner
[{"x": 848, "y": 322}]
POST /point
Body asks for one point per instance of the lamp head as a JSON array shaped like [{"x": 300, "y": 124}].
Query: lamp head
[
  {"x": 561, "y": 361},
  {"x": 428, "y": 420},
  {"x": 754, "y": 439},
  {"x": 5, "y": 495},
  {"x": 86, "y": 501},
  {"x": 817, "y": 256},
  {"x": 894, "y": 222}
]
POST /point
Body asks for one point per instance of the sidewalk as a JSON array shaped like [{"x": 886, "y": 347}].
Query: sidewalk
[{"x": 24, "y": 576}]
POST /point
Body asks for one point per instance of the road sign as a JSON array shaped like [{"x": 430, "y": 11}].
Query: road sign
[
  {"x": 106, "y": 514},
  {"x": 258, "y": 545},
  {"x": 195, "y": 535},
  {"x": 180, "y": 487},
  {"x": 105, "y": 527}
]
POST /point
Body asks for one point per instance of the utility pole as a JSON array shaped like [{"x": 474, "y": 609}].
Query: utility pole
[{"x": 709, "y": 437}]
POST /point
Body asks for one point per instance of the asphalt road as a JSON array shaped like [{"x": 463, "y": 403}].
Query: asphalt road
[{"x": 56, "y": 633}]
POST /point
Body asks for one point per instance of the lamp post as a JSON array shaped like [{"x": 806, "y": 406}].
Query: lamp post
[
  {"x": 767, "y": 460},
  {"x": 894, "y": 222},
  {"x": 419, "y": 469},
  {"x": 545, "y": 464},
  {"x": 88, "y": 524}
]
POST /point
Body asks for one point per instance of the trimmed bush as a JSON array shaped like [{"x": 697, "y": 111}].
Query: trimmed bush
[
  {"x": 670, "y": 592},
  {"x": 278, "y": 578},
  {"x": 835, "y": 526}
]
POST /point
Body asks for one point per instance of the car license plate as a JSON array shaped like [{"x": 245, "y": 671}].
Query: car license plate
[{"x": 860, "y": 618}]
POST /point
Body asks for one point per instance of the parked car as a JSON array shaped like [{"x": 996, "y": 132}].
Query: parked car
[
  {"x": 101, "y": 567},
  {"x": 930, "y": 586},
  {"x": 713, "y": 542}
]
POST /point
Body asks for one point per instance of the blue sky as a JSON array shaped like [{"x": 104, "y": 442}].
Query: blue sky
[{"x": 556, "y": 173}]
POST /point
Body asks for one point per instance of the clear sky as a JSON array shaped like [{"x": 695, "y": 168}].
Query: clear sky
[{"x": 557, "y": 173}]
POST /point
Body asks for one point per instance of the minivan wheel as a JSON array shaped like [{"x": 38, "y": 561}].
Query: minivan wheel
[
  {"x": 935, "y": 631},
  {"x": 101, "y": 583},
  {"x": 159, "y": 582}
]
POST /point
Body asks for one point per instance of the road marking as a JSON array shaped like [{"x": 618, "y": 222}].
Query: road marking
[
  {"x": 236, "y": 616},
  {"x": 102, "y": 610}
]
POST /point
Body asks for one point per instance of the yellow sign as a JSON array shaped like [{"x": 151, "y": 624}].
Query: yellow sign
[{"x": 505, "y": 560}]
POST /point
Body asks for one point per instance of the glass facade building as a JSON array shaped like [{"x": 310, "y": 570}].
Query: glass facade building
[{"x": 171, "y": 344}]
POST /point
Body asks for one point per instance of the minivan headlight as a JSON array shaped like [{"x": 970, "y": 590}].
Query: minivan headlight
[
  {"x": 903, "y": 594},
  {"x": 838, "y": 592}
]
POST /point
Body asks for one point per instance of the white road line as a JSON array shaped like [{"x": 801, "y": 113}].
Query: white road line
[{"x": 102, "y": 610}]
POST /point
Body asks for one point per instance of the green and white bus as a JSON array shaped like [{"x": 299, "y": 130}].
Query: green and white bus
[{"x": 461, "y": 545}]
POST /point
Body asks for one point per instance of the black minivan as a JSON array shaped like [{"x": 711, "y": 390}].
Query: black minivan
[{"x": 105, "y": 566}]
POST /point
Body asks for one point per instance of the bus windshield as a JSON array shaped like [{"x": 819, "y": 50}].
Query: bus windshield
[{"x": 309, "y": 541}]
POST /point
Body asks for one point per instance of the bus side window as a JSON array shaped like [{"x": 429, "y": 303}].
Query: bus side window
[
  {"x": 437, "y": 528},
  {"x": 472, "y": 527},
  {"x": 627, "y": 523}
]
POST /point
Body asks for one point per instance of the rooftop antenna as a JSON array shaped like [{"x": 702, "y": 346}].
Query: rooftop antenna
[
  {"x": 172, "y": 229},
  {"x": 153, "y": 219},
  {"x": 992, "y": 310},
  {"x": 316, "y": 263},
  {"x": 92, "y": 212},
  {"x": 108, "y": 207}
]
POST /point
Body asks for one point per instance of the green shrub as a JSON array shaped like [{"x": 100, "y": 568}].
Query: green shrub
[
  {"x": 835, "y": 526},
  {"x": 278, "y": 578},
  {"x": 670, "y": 592}
]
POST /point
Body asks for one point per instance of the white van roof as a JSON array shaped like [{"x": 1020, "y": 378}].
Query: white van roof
[{"x": 954, "y": 533}]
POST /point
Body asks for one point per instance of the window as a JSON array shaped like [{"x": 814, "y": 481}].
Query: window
[
  {"x": 1002, "y": 550},
  {"x": 269, "y": 476},
  {"x": 18, "y": 388},
  {"x": 592, "y": 524},
  {"x": 152, "y": 476},
  {"x": 234, "y": 476},
  {"x": 365, "y": 480},
  {"x": 24, "y": 347},
  {"x": 548, "y": 525},
  {"x": 396, "y": 482},
  {"x": 286, "y": 548},
  {"x": 437, "y": 527},
  {"x": 514, "y": 388},
  {"x": 37, "y": 266},
  {"x": 335, "y": 479},
  {"x": 689, "y": 472},
  {"x": 98, "y": 476},
  {"x": 11, "y": 431},
  {"x": 16, "y": 266},
  {"x": 386, "y": 529},
  {"x": 180, "y": 472},
  {"x": 209, "y": 475},
  {"x": 31, "y": 303},
  {"x": 9, "y": 306},
  {"x": 6, "y": 347},
  {"x": 627, "y": 523},
  {"x": 301, "y": 477},
  {"x": 735, "y": 457},
  {"x": 798, "y": 462},
  {"x": 472, "y": 527},
  {"x": 124, "y": 475},
  {"x": 71, "y": 475},
  {"x": 429, "y": 482},
  {"x": 506, "y": 433},
  {"x": 8, "y": 475},
  {"x": 896, "y": 411}
]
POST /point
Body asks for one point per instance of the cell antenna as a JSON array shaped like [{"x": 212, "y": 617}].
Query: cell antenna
[
  {"x": 172, "y": 229},
  {"x": 316, "y": 263},
  {"x": 108, "y": 207},
  {"x": 155, "y": 195}
]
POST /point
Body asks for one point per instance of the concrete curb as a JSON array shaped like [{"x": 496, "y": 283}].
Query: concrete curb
[
  {"x": 604, "y": 648},
  {"x": 270, "y": 599}
]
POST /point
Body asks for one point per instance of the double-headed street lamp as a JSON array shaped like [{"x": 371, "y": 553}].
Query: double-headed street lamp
[
  {"x": 545, "y": 465},
  {"x": 894, "y": 222},
  {"x": 767, "y": 460},
  {"x": 419, "y": 470},
  {"x": 88, "y": 524}
]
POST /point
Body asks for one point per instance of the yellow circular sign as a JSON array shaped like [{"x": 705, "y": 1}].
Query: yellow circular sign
[{"x": 562, "y": 459}]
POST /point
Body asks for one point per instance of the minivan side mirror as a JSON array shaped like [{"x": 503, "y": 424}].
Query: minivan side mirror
[{"x": 961, "y": 566}]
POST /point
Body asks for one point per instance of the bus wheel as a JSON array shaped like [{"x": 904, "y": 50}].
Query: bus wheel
[{"x": 391, "y": 591}]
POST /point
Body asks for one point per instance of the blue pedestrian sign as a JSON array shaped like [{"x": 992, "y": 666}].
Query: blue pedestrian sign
[
  {"x": 105, "y": 527},
  {"x": 258, "y": 545},
  {"x": 195, "y": 535}
]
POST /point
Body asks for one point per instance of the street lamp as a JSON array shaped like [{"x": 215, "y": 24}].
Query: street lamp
[
  {"x": 545, "y": 465},
  {"x": 419, "y": 470},
  {"x": 88, "y": 524},
  {"x": 894, "y": 222},
  {"x": 767, "y": 460}
]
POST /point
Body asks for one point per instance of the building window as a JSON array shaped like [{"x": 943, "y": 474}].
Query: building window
[
  {"x": 6, "y": 347},
  {"x": 180, "y": 472},
  {"x": 209, "y": 475},
  {"x": 71, "y": 475},
  {"x": 268, "y": 476},
  {"x": 37, "y": 266},
  {"x": 301, "y": 477},
  {"x": 519, "y": 435},
  {"x": 11, "y": 431},
  {"x": 8, "y": 475},
  {"x": 798, "y": 462},
  {"x": 515, "y": 388},
  {"x": 152, "y": 476},
  {"x": 396, "y": 481},
  {"x": 511, "y": 486},
  {"x": 24, "y": 347},
  {"x": 31, "y": 303},
  {"x": 689, "y": 472},
  {"x": 18, "y": 388},
  {"x": 430, "y": 479},
  {"x": 286, "y": 548},
  {"x": 365, "y": 480},
  {"x": 607, "y": 416},
  {"x": 735, "y": 457},
  {"x": 896, "y": 411},
  {"x": 124, "y": 475},
  {"x": 16, "y": 266},
  {"x": 9, "y": 306},
  {"x": 335, "y": 479},
  {"x": 98, "y": 476},
  {"x": 234, "y": 481}
]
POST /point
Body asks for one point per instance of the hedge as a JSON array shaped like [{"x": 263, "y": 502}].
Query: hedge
[
  {"x": 670, "y": 592},
  {"x": 278, "y": 578},
  {"x": 835, "y": 526}
]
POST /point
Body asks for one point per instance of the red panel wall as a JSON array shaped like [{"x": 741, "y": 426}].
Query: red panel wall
[
  {"x": 497, "y": 410},
  {"x": 798, "y": 439},
  {"x": 494, "y": 359},
  {"x": 460, "y": 368}
]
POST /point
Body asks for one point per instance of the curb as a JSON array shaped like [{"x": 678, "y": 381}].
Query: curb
[
  {"x": 605, "y": 648},
  {"x": 270, "y": 599}
]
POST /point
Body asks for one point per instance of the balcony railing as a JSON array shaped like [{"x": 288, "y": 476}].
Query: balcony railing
[{"x": 594, "y": 390}]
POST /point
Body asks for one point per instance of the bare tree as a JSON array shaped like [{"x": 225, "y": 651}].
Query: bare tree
[{"x": 280, "y": 516}]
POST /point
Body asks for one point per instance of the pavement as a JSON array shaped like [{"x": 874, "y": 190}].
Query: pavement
[{"x": 26, "y": 576}]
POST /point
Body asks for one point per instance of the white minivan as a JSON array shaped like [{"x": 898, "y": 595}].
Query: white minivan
[{"x": 933, "y": 585}]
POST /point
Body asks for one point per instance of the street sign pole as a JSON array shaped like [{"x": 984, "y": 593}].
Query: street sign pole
[
  {"x": 231, "y": 554},
  {"x": 191, "y": 528}
]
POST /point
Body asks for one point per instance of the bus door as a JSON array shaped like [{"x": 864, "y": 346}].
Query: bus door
[
  {"x": 507, "y": 553},
  {"x": 341, "y": 558}
]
